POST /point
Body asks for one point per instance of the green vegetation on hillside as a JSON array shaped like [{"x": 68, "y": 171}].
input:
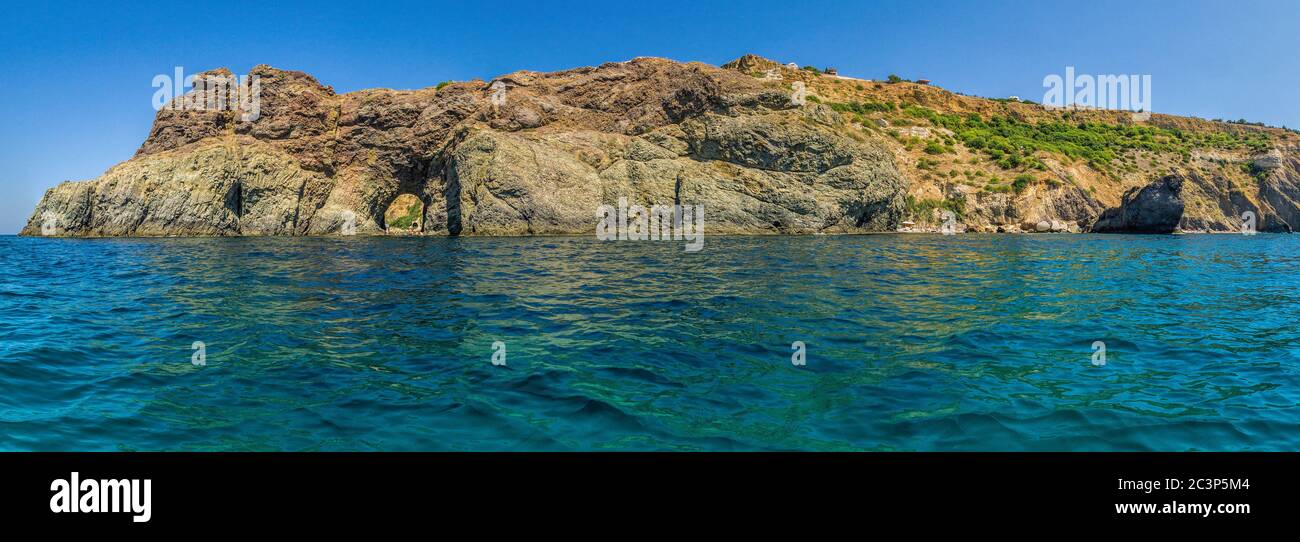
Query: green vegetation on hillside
[
  {"x": 1012, "y": 143},
  {"x": 922, "y": 208},
  {"x": 1021, "y": 182},
  {"x": 863, "y": 108},
  {"x": 412, "y": 214}
]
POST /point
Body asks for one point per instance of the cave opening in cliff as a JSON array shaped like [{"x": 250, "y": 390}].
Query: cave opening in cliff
[{"x": 405, "y": 215}]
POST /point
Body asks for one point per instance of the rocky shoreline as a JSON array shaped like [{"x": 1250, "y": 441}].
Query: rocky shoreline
[{"x": 533, "y": 153}]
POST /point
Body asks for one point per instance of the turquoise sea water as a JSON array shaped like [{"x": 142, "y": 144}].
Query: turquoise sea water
[{"x": 913, "y": 342}]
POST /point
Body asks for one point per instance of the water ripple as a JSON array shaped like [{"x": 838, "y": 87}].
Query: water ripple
[{"x": 973, "y": 342}]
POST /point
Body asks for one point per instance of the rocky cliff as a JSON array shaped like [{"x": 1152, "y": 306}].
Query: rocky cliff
[
  {"x": 540, "y": 156},
  {"x": 539, "y": 153}
]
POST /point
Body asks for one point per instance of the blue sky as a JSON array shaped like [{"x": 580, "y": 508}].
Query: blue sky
[{"x": 75, "y": 97}]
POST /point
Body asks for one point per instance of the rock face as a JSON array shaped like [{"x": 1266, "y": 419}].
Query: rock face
[
  {"x": 1155, "y": 208},
  {"x": 540, "y": 156},
  {"x": 540, "y": 153},
  {"x": 1218, "y": 206}
]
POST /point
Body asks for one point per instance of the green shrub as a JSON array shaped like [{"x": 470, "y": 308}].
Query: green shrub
[
  {"x": 996, "y": 187},
  {"x": 1012, "y": 143},
  {"x": 923, "y": 208},
  {"x": 1021, "y": 182}
]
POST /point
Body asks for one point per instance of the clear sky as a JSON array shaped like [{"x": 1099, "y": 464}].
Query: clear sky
[{"x": 76, "y": 97}]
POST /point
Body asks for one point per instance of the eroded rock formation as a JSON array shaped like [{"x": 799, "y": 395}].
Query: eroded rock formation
[
  {"x": 561, "y": 144},
  {"x": 539, "y": 153}
]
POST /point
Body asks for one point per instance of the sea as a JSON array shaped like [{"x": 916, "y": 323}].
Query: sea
[{"x": 765, "y": 343}]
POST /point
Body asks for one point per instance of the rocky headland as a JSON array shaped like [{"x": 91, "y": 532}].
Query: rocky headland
[{"x": 539, "y": 153}]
